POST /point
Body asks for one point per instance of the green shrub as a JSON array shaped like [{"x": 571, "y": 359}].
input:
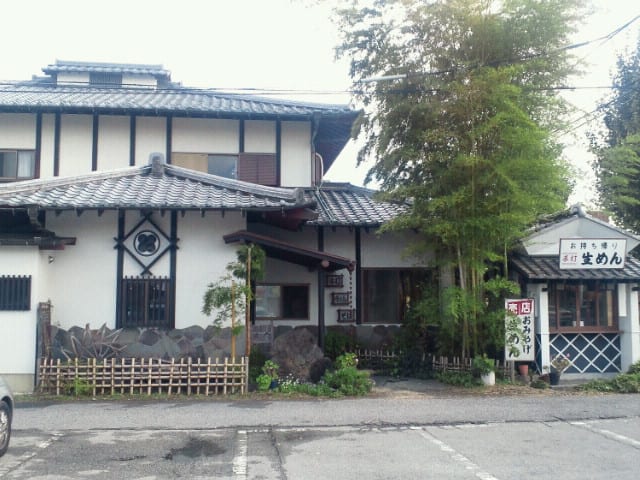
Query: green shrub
[
  {"x": 635, "y": 368},
  {"x": 623, "y": 383},
  {"x": 483, "y": 365},
  {"x": 346, "y": 360},
  {"x": 627, "y": 383},
  {"x": 458, "y": 379},
  {"x": 349, "y": 381},
  {"x": 264, "y": 382},
  {"x": 337, "y": 342}
]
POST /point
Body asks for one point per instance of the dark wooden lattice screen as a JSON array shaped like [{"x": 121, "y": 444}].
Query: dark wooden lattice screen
[
  {"x": 15, "y": 292},
  {"x": 146, "y": 302}
]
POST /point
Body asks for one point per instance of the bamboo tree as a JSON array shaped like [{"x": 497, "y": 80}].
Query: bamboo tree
[{"x": 461, "y": 127}]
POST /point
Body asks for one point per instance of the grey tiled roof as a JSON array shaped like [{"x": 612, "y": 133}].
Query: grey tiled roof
[
  {"x": 342, "y": 204},
  {"x": 183, "y": 101},
  {"x": 548, "y": 268},
  {"x": 140, "y": 187},
  {"x": 73, "y": 66}
]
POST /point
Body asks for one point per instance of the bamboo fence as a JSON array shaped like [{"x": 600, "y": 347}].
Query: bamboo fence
[
  {"x": 144, "y": 376},
  {"x": 378, "y": 358}
]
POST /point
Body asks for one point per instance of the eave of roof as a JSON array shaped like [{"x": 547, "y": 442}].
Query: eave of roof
[
  {"x": 548, "y": 268},
  {"x": 343, "y": 204},
  {"x": 162, "y": 186},
  {"x": 312, "y": 259}
]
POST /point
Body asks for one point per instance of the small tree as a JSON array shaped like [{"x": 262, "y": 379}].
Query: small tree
[{"x": 233, "y": 292}]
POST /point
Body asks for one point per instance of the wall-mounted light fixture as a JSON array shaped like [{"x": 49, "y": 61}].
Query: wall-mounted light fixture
[{"x": 51, "y": 258}]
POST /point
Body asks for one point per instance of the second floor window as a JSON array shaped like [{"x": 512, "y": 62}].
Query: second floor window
[
  {"x": 17, "y": 165},
  {"x": 257, "y": 168}
]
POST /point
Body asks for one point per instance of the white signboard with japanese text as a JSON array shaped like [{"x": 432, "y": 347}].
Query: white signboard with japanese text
[
  {"x": 519, "y": 341},
  {"x": 592, "y": 253}
]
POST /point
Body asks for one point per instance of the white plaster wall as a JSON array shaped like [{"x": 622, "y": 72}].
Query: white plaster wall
[
  {"x": 47, "y": 147},
  {"x": 83, "y": 276},
  {"x": 296, "y": 154},
  {"x": 18, "y": 329},
  {"x": 340, "y": 242},
  {"x": 204, "y": 135},
  {"x": 72, "y": 77},
  {"x": 388, "y": 250},
  {"x": 18, "y": 130},
  {"x": 113, "y": 142},
  {"x": 202, "y": 258},
  {"x": 138, "y": 81},
  {"x": 259, "y": 136},
  {"x": 76, "y": 144},
  {"x": 151, "y": 137}
]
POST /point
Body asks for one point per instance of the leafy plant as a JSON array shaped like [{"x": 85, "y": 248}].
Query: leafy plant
[
  {"x": 560, "y": 362},
  {"x": 347, "y": 379},
  {"x": 271, "y": 369},
  {"x": 483, "y": 365},
  {"x": 264, "y": 382},
  {"x": 458, "y": 379}
]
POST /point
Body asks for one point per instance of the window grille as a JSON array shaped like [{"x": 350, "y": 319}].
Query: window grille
[
  {"x": 15, "y": 292},
  {"x": 146, "y": 302}
]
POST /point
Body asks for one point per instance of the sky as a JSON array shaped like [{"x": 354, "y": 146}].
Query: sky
[{"x": 282, "y": 45}]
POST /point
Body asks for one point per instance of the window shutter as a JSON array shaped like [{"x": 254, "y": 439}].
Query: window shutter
[{"x": 258, "y": 168}]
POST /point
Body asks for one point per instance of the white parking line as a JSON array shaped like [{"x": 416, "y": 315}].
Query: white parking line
[
  {"x": 458, "y": 457},
  {"x": 240, "y": 459},
  {"x": 609, "y": 434}
]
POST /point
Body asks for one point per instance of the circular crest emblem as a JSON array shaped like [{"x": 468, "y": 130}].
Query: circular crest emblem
[{"x": 146, "y": 243}]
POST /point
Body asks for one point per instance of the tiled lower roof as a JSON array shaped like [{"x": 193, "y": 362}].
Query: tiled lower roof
[
  {"x": 342, "y": 204},
  {"x": 548, "y": 268},
  {"x": 167, "y": 187},
  {"x": 175, "y": 188}
]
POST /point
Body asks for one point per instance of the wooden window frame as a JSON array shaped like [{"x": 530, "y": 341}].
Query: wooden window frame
[
  {"x": 283, "y": 302},
  {"x": 17, "y": 152},
  {"x": 140, "y": 308},
  {"x": 554, "y": 307}
]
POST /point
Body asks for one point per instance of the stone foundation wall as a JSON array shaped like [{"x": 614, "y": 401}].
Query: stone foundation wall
[{"x": 194, "y": 342}]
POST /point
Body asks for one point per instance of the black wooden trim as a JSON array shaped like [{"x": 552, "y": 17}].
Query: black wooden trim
[
  {"x": 321, "y": 275},
  {"x": 119, "y": 266},
  {"x": 38, "y": 152},
  {"x": 358, "y": 289},
  {"x": 279, "y": 152},
  {"x": 173, "y": 261},
  {"x": 132, "y": 140},
  {"x": 94, "y": 144},
  {"x": 56, "y": 145},
  {"x": 169, "y": 133},
  {"x": 241, "y": 136}
]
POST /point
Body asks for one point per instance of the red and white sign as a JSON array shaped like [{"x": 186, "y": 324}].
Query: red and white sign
[
  {"x": 519, "y": 341},
  {"x": 592, "y": 253}
]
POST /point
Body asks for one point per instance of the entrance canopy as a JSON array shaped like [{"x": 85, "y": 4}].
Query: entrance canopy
[
  {"x": 548, "y": 268},
  {"x": 313, "y": 259}
]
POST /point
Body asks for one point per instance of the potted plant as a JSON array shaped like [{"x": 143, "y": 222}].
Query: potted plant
[
  {"x": 269, "y": 378},
  {"x": 485, "y": 367},
  {"x": 559, "y": 363}
]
